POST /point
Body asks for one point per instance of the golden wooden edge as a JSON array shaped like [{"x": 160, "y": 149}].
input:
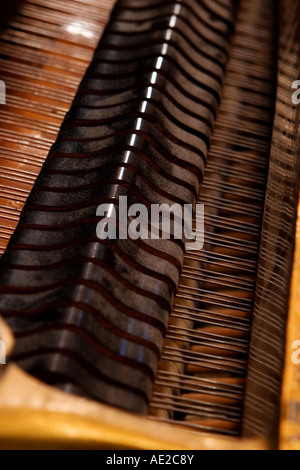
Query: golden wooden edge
[
  {"x": 36, "y": 416},
  {"x": 290, "y": 403}
]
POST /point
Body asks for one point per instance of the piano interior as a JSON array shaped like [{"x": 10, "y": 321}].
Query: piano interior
[{"x": 123, "y": 343}]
